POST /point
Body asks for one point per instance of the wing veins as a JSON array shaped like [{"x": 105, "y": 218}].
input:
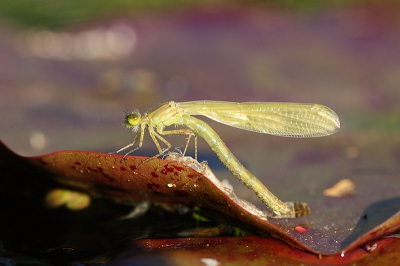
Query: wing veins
[{"x": 283, "y": 119}]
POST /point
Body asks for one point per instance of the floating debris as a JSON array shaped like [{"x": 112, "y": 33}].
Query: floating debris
[{"x": 344, "y": 187}]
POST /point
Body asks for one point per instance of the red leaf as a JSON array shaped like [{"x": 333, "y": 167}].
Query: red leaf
[
  {"x": 166, "y": 181},
  {"x": 250, "y": 250}
]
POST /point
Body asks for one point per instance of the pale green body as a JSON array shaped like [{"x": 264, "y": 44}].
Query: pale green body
[{"x": 282, "y": 119}]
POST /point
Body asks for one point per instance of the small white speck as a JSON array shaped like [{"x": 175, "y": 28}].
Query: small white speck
[
  {"x": 225, "y": 183},
  {"x": 38, "y": 140},
  {"x": 210, "y": 262}
]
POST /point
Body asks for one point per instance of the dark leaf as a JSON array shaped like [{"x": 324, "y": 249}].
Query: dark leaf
[{"x": 141, "y": 178}]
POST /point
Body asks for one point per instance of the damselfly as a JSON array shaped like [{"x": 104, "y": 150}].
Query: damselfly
[{"x": 281, "y": 119}]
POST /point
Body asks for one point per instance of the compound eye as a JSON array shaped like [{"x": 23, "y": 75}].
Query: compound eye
[{"x": 132, "y": 120}]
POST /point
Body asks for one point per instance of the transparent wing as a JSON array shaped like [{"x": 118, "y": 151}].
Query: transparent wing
[{"x": 281, "y": 119}]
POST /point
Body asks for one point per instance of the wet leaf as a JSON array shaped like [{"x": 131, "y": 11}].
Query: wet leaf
[
  {"x": 141, "y": 178},
  {"x": 171, "y": 182},
  {"x": 250, "y": 250}
]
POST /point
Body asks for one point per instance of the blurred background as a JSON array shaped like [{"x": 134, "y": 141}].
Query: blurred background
[{"x": 70, "y": 69}]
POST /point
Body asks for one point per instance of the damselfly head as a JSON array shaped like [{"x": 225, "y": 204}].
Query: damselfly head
[{"x": 132, "y": 120}]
